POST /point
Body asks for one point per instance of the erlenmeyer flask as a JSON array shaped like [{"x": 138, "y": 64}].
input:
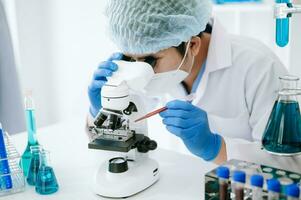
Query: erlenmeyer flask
[
  {"x": 282, "y": 135},
  {"x": 46, "y": 180}
]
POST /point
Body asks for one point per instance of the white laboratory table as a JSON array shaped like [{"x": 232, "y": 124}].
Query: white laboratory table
[{"x": 182, "y": 176}]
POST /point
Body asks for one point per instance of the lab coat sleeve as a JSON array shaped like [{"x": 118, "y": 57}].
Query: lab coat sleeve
[{"x": 262, "y": 85}]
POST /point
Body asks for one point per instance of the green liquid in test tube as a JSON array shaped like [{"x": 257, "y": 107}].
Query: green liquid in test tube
[{"x": 31, "y": 131}]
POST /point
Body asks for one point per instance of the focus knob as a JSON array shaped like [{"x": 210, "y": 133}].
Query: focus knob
[
  {"x": 146, "y": 145},
  {"x": 118, "y": 165}
]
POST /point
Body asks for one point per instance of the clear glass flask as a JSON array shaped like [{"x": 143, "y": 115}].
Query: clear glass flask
[
  {"x": 31, "y": 131},
  {"x": 282, "y": 135},
  {"x": 34, "y": 164},
  {"x": 46, "y": 180}
]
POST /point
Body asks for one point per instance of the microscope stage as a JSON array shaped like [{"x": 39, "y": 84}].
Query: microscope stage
[{"x": 115, "y": 145}]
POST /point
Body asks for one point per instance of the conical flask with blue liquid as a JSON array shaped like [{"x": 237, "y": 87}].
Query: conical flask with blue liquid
[
  {"x": 46, "y": 182},
  {"x": 282, "y": 135}
]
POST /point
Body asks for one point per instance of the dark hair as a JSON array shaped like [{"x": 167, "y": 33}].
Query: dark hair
[{"x": 182, "y": 47}]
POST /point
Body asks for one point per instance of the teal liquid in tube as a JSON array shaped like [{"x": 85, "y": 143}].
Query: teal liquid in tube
[
  {"x": 282, "y": 32},
  {"x": 282, "y": 29},
  {"x": 31, "y": 131}
]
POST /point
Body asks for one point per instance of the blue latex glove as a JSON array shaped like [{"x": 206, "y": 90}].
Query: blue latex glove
[
  {"x": 105, "y": 69},
  {"x": 190, "y": 123}
]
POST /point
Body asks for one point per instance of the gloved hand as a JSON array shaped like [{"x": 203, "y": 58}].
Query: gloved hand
[
  {"x": 105, "y": 69},
  {"x": 190, "y": 123}
]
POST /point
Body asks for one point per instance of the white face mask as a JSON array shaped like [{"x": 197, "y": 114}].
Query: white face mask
[{"x": 162, "y": 83}]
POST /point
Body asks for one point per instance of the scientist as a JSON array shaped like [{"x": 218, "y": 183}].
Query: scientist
[{"x": 234, "y": 78}]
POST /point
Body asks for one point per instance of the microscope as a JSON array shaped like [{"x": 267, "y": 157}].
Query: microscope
[{"x": 115, "y": 130}]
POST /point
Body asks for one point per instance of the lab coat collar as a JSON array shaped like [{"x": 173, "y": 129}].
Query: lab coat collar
[{"x": 219, "y": 53}]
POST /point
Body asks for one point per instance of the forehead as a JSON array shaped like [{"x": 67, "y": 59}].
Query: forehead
[{"x": 160, "y": 53}]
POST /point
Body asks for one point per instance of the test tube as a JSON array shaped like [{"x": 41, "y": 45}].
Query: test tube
[
  {"x": 223, "y": 174},
  {"x": 274, "y": 189},
  {"x": 238, "y": 184},
  {"x": 282, "y": 28},
  {"x": 292, "y": 192},
  {"x": 256, "y": 184}
]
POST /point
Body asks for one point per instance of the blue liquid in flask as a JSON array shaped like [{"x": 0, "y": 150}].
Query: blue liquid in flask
[
  {"x": 283, "y": 131},
  {"x": 46, "y": 181}
]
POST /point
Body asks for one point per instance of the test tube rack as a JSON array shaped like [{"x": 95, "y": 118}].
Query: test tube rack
[
  {"x": 16, "y": 173},
  {"x": 285, "y": 177}
]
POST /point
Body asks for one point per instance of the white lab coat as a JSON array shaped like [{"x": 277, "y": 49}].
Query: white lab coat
[
  {"x": 237, "y": 90},
  {"x": 12, "y": 114}
]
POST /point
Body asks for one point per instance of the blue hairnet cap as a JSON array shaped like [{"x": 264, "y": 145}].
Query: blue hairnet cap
[{"x": 148, "y": 26}]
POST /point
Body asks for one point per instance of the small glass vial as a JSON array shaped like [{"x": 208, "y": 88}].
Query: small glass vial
[
  {"x": 256, "y": 184},
  {"x": 223, "y": 174},
  {"x": 238, "y": 184},
  {"x": 274, "y": 189},
  {"x": 292, "y": 192}
]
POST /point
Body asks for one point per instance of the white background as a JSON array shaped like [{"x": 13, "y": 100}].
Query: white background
[{"x": 59, "y": 43}]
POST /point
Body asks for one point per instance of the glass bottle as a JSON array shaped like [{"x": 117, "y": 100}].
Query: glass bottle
[
  {"x": 31, "y": 131},
  {"x": 46, "y": 180},
  {"x": 238, "y": 184},
  {"x": 274, "y": 189},
  {"x": 223, "y": 174},
  {"x": 292, "y": 192},
  {"x": 282, "y": 135},
  {"x": 256, "y": 185}
]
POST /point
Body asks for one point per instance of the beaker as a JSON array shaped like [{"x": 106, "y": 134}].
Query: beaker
[
  {"x": 282, "y": 135},
  {"x": 34, "y": 164},
  {"x": 46, "y": 181}
]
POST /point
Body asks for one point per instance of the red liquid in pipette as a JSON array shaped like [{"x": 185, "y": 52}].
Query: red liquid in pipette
[{"x": 151, "y": 113}]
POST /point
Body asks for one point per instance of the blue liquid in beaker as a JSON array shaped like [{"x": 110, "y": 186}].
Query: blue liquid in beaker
[
  {"x": 46, "y": 181},
  {"x": 283, "y": 131}
]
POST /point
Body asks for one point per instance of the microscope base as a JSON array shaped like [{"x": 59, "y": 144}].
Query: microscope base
[{"x": 139, "y": 176}]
